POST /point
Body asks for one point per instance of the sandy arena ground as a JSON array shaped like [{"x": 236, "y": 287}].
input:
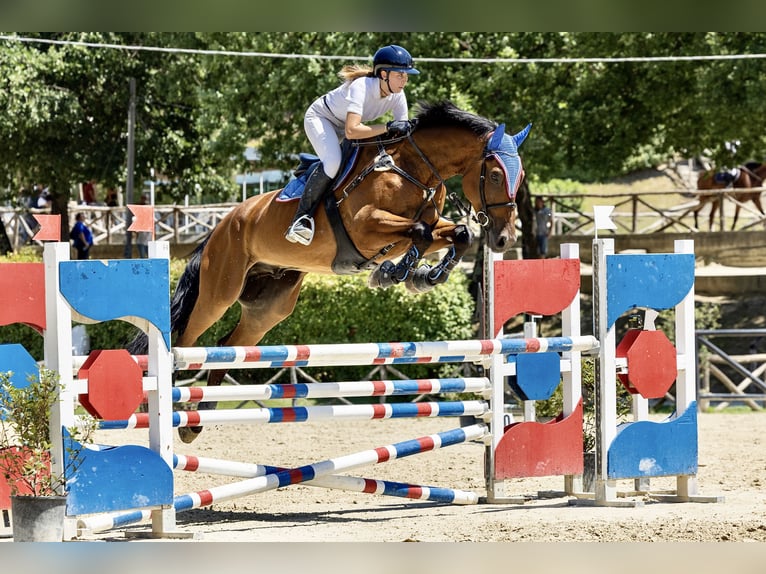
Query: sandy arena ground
[{"x": 732, "y": 465}]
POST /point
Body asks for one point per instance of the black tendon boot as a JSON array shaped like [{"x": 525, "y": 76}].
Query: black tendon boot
[{"x": 302, "y": 228}]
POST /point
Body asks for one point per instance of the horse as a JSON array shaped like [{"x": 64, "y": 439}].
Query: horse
[
  {"x": 391, "y": 205},
  {"x": 745, "y": 176}
]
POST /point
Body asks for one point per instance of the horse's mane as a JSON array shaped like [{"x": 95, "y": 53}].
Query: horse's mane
[{"x": 445, "y": 113}]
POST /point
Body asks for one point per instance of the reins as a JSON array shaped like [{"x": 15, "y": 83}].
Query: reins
[{"x": 384, "y": 162}]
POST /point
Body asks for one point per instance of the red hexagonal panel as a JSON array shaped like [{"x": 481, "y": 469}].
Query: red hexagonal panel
[
  {"x": 115, "y": 385},
  {"x": 652, "y": 363}
]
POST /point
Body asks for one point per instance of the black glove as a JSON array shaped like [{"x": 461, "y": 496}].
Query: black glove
[{"x": 399, "y": 128}]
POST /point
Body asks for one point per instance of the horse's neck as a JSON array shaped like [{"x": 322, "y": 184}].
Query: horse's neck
[{"x": 449, "y": 150}]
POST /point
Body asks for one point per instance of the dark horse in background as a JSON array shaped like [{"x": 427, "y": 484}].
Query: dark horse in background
[
  {"x": 389, "y": 206},
  {"x": 749, "y": 175}
]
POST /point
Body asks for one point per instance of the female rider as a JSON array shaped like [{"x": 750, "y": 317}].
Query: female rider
[{"x": 365, "y": 94}]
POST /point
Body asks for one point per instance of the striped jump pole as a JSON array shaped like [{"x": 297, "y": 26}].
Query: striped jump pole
[
  {"x": 353, "y": 354},
  {"x": 282, "y": 478},
  {"x": 331, "y": 481},
  {"x": 311, "y": 413},
  {"x": 478, "y": 385}
]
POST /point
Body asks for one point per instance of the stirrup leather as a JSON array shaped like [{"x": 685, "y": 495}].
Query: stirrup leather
[{"x": 301, "y": 231}]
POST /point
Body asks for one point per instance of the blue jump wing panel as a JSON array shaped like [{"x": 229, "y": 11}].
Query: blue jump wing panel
[
  {"x": 106, "y": 290},
  {"x": 655, "y": 281},
  {"x": 646, "y": 448},
  {"x": 117, "y": 478}
]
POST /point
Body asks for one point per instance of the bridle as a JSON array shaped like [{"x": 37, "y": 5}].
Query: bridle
[{"x": 384, "y": 162}]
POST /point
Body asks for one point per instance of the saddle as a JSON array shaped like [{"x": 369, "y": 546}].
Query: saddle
[
  {"x": 347, "y": 260},
  {"x": 308, "y": 162},
  {"x": 727, "y": 177}
]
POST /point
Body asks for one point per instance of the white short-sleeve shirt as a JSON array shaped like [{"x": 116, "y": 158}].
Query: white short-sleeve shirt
[{"x": 362, "y": 96}]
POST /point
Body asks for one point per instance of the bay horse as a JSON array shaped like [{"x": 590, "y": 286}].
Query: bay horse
[
  {"x": 746, "y": 176},
  {"x": 391, "y": 207}
]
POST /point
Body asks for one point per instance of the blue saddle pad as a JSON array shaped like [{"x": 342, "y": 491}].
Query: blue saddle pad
[
  {"x": 308, "y": 163},
  {"x": 294, "y": 188},
  {"x": 726, "y": 177}
]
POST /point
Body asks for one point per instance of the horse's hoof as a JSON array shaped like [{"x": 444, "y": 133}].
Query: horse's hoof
[
  {"x": 419, "y": 281},
  {"x": 188, "y": 434},
  {"x": 382, "y": 276}
]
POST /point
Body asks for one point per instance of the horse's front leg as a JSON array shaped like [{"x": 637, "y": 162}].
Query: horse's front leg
[
  {"x": 458, "y": 239},
  {"x": 389, "y": 273}
]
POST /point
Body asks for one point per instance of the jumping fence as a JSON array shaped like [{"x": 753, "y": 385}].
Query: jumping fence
[{"x": 644, "y": 361}]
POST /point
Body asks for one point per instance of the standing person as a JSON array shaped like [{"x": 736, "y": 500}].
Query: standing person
[
  {"x": 365, "y": 94},
  {"x": 82, "y": 237},
  {"x": 44, "y": 199},
  {"x": 543, "y": 226},
  {"x": 111, "y": 197}
]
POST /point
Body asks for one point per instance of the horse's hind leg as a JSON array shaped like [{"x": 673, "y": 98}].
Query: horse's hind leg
[{"x": 267, "y": 298}]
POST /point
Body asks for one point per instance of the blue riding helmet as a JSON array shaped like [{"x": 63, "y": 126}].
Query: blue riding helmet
[{"x": 393, "y": 57}]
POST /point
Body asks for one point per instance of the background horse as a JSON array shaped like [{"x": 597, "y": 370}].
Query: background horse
[
  {"x": 392, "y": 208},
  {"x": 749, "y": 175}
]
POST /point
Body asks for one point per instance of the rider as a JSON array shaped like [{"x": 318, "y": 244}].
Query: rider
[{"x": 365, "y": 94}]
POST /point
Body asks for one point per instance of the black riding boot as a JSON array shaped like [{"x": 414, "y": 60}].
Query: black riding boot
[{"x": 302, "y": 228}]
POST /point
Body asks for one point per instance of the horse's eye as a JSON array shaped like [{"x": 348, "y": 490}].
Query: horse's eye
[{"x": 496, "y": 177}]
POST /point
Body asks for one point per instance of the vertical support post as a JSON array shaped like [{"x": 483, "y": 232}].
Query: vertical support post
[
  {"x": 160, "y": 402},
  {"x": 57, "y": 349},
  {"x": 606, "y": 393},
  {"x": 495, "y": 489},
  {"x": 686, "y": 340},
  {"x": 571, "y": 378},
  {"x": 530, "y": 332}
]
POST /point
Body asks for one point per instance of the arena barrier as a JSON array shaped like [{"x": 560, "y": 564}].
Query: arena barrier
[{"x": 533, "y": 367}]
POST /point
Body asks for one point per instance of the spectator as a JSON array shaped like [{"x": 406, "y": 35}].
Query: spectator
[
  {"x": 111, "y": 197},
  {"x": 82, "y": 237},
  {"x": 43, "y": 200},
  {"x": 89, "y": 192},
  {"x": 543, "y": 226}
]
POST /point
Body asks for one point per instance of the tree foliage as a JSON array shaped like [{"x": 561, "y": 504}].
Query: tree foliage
[{"x": 66, "y": 105}]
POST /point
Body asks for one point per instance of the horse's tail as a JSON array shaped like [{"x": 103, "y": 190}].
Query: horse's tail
[
  {"x": 187, "y": 291},
  {"x": 184, "y": 299}
]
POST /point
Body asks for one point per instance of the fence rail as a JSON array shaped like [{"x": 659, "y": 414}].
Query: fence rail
[
  {"x": 635, "y": 213},
  {"x": 657, "y": 211},
  {"x": 173, "y": 223},
  {"x": 724, "y": 378}
]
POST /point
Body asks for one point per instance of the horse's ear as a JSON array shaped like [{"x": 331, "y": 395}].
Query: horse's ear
[
  {"x": 497, "y": 138},
  {"x": 519, "y": 138}
]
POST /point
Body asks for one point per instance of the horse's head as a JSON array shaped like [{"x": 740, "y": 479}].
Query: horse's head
[{"x": 494, "y": 198}]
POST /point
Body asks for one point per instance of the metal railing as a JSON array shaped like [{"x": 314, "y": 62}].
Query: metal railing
[{"x": 724, "y": 378}]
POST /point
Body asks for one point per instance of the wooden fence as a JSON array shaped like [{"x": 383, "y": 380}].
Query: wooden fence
[{"x": 635, "y": 213}]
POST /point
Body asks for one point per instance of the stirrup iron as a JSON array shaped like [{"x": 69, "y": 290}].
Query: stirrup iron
[{"x": 301, "y": 230}]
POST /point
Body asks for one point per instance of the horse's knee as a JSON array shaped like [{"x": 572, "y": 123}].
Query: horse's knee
[
  {"x": 463, "y": 238},
  {"x": 421, "y": 235}
]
